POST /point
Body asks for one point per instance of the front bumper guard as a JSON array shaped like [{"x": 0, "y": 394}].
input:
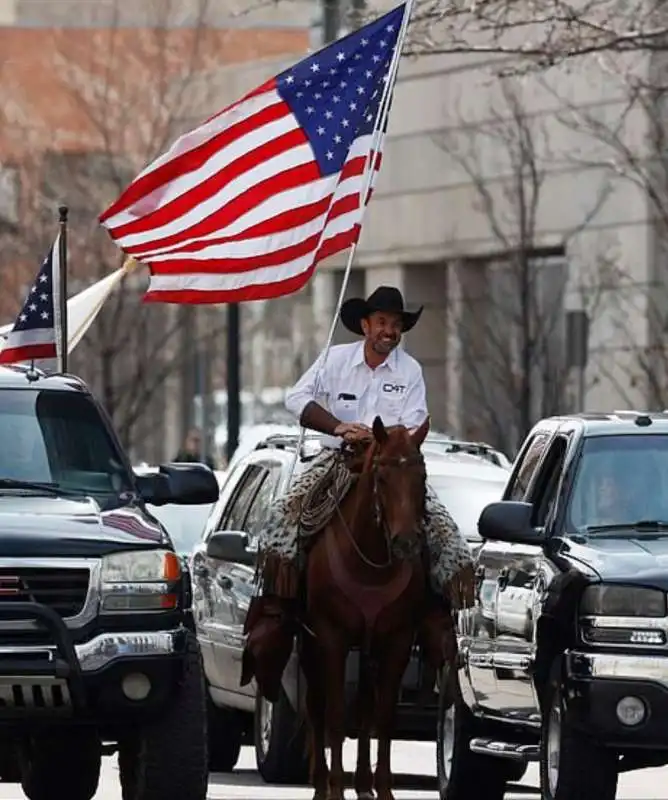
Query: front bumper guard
[{"x": 65, "y": 663}]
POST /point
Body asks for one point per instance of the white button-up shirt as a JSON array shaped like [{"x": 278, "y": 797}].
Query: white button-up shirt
[{"x": 353, "y": 392}]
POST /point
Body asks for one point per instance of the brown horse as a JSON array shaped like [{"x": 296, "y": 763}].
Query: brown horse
[{"x": 359, "y": 594}]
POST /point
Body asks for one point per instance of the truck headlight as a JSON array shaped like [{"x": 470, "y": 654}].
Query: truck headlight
[
  {"x": 140, "y": 581},
  {"x": 622, "y": 601}
]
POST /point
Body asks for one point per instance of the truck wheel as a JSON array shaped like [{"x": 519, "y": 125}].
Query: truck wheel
[
  {"x": 225, "y": 736},
  {"x": 167, "y": 759},
  {"x": 10, "y": 761},
  {"x": 461, "y": 774},
  {"x": 280, "y": 742},
  {"x": 572, "y": 766},
  {"x": 62, "y": 764}
]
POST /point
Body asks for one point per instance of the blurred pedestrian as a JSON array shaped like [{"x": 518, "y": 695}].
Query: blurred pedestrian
[{"x": 192, "y": 451}]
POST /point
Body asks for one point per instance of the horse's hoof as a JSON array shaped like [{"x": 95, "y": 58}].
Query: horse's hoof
[{"x": 365, "y": 796}]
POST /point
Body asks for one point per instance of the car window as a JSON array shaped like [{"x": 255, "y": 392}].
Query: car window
[
  {"x": 233, "y": 516},
  {"x": 527, "y": 467},
  {"x": 59, "y": 437},
  {"x": 546, "y": 485},
  {"x": 259, "y": 508},
  {"x": 184, "y": 524},
  {"x": 465, "y": 499},
  {"x": 620, "y": 480}
]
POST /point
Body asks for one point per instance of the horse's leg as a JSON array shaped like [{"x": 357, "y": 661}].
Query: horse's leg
[
  {"x": 365, "y": 704},
  {"x": 393, "y": 662},
  {"x": 335, "y": 651},
  {"x": 314, "y": 670}
]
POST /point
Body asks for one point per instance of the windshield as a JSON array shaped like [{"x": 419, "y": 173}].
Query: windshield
[
  {"x": 184, "y": 524},
  {"x": 465, "y": 498},
  {"x": 57, "y": 437},
  {"x": 620, "y": 480}
]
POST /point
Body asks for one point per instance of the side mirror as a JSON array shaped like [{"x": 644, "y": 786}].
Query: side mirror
[
  {"x": 154, "y": 488},
  {"x": 509, "y": 521},
  {"x": 230, "y": 546},
  {"x": 181, "y": 484}
]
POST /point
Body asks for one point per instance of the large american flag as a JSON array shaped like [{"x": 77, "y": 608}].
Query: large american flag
[
  {"x": 245, "y": 206},
  {"x": 37, "y": 330}
]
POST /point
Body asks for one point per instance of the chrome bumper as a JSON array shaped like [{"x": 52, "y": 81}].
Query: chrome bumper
[
  {"x": 108, "y": 647},
  {"x": 586, "y": 666}
]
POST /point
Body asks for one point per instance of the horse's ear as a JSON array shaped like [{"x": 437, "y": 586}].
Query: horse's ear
[
  {"x": 420, "y": 434},
  {"x": 379, "y": 432}
]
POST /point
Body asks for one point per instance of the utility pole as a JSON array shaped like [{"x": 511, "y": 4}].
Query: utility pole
[
  {"x": 331, "y": 20},
  {"x": 187, "y": 336},
  {"x": 233, "y": 379}
]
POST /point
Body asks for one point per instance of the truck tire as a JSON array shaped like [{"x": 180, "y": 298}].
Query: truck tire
[
  {"x": 10, "y": 761},
  {"x": 280, "y": 742},
  {"x": 167, "y": 758},
  {"x": 572, "y": 766},
  {"x": 461, "y": 774},
  {"x": 225, "y": 736},
  {"x": 61, "y": 764}
]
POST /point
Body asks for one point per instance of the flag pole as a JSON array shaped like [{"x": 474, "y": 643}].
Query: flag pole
[
  {"x": 62, "y": 297},
  {"x": 381, "y": 120}
]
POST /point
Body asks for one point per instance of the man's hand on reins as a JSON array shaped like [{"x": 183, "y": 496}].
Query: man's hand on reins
[{"x": 353, "y": 432}]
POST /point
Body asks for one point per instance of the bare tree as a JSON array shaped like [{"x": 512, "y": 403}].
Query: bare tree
[
  {"x": 512, "y": 302},
  {"x": 631, "y": 140},
  {"x": 543, "y": 32},
  {"x": 131, "y": 90}
]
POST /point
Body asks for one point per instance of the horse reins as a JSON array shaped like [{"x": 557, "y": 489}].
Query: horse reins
[{"x": 372, "y": 462}]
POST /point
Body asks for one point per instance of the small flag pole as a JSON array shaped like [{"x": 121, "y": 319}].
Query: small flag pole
[{"x": 62, "y": 294}]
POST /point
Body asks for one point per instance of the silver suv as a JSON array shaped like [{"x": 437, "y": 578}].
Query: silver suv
[{"x": 465, "y": 481}]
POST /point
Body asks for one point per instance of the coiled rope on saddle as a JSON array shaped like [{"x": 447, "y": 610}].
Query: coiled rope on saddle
[{"x": 320, "y": 502}]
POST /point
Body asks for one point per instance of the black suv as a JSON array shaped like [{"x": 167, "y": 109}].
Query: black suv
[
  {"x": 565, "y": 656},
  {"x": 97, "y": 649}
]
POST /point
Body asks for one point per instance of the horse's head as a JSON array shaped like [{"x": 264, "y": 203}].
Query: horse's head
[{"x": 399, "y": 478}]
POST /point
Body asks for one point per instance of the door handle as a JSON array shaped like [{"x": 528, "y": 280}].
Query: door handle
[
  {"x": 502, "y": 579},
  {"x": 224, "y": 582}
]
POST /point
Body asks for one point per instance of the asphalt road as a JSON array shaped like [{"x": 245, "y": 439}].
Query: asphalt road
[{"x": 414, "y": 767}]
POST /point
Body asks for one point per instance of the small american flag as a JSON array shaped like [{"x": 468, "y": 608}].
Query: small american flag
[
  {"x": 245, "y": 206},
  {"x": 36, "y": 332}
]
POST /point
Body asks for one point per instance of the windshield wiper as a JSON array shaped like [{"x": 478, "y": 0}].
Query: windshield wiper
[
  {"x": 49, "y": 488},
  {"x": 641, "y": 525}
]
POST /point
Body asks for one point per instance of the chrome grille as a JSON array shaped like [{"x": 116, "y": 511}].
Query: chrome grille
[{"x": 63, "y": 589}]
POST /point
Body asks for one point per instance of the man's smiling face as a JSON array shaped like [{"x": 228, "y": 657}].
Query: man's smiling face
[{"x": 382, "y": 331}]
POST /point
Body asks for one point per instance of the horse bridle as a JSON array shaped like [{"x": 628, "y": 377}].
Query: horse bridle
[{"x": 375, "y": 461}]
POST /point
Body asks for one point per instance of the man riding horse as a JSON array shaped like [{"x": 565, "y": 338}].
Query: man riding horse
[{"x": 339, "y": 396}]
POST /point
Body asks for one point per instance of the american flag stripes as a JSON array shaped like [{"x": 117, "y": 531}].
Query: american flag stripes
[
  {"x": 36, "y": 332},
  {"x": 245, "y": 206}
]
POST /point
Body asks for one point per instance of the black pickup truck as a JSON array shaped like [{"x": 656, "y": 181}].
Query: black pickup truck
[
  {"x": 97, "y": 647},
  {"x": 564, "y": 658}
]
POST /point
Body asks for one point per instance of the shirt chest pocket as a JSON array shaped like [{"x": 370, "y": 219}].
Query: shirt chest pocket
[{"x": 346, "y": 410}]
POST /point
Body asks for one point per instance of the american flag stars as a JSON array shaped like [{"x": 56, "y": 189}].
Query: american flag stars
[
  {"x": 36, "y": 329},
  {"x": 37, "y": 311},
  {"x": 335, "y": 94}
]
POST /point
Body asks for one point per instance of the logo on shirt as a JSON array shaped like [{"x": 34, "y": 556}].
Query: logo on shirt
[{"x": 394, "y": 388}]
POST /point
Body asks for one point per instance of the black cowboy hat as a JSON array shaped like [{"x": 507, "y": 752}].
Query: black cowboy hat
[{"x": 384, "y": 298}]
